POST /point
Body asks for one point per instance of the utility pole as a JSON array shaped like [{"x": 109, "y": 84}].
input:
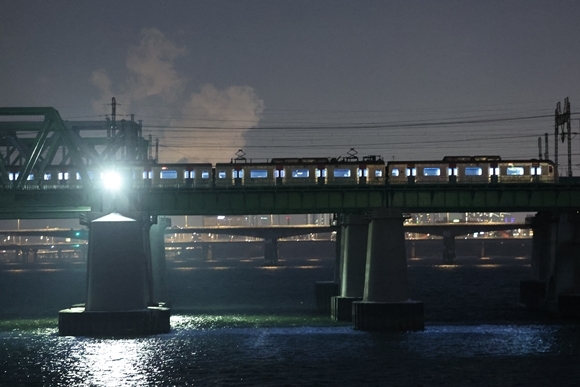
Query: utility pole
[
  {"x": 562, "y": 119},
  {"x": 547, "y": 149},
  {"x": 540, "y": 147}
]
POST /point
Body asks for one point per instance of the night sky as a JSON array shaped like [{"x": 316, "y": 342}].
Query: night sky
[{"x": 402, "y": 79}]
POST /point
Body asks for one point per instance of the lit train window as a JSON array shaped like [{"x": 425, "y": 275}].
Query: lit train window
[
  {"x": 362, "y": 172},
  {"x": 165, "y": 174},
  {"x": 452, "y": 171},
  {"x": 147, "y": 175},
  {"x": 31, "y": 177},
  {"x": 431, "y": 172},
  {"x": 378, "y": 173},
  {"x": 63, "y": 176},
  {"x": 205, "y": 174},
  {"x": 47, "y": 176},
  {"x": 78, "y": 176},
  {"x": 473, "y": 171},
  {"x": 515, "y": 171},
  {"x": 411, "y": 171},
  {"x": 13, "y": 176},
  {"x": 279, "y": 173},
  {"x": 494, "y": 171},
  {"x": 341, "y": 173},
  {"x": 239, "y": 174},
  {"x": 536, "y": 170},
  {"x": 395, "y": 172},
  {"x": 258, "y": 173},
  {"x": 221, "y": 174},
  {"x": 320, "y": 173},
  {"x": 192, "y": 174},
  {"x": 300, "y": 173}
]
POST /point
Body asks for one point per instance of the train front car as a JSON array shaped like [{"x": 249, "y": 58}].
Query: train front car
[{"x": 527, "y": 171}]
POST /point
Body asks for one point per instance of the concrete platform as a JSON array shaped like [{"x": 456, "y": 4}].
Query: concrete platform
[
  {"x": 388, "y": 316},
  {"x": 76, "y": 321},
  {"x": 341, "y": 308}
]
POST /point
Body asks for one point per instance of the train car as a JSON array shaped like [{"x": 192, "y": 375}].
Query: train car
[
  {"x": 471, "y": 170},
  {"x": 525, "y": 171},
  {"x": 242, "y": 173},
  {"x": 352, "y": 171},
  {"x": 178, "y": 175},
  {"x": 300, "y": 171}
]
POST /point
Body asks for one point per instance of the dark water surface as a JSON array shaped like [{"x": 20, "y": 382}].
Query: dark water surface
[{"x": 237, "y": 323}]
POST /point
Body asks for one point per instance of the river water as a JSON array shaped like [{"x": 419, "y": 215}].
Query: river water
[{"x": 239, "y": 323}]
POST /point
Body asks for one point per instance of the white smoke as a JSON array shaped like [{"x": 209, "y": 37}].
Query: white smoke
[
  {"x": 213, "y": 122},
  {"x": 151, "y": 73}
]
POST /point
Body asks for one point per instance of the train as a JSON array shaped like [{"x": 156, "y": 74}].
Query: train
[{"x": 367, "y": 171}]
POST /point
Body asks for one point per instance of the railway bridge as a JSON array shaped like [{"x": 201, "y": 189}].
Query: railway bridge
[{"x": 373, "y": 279}]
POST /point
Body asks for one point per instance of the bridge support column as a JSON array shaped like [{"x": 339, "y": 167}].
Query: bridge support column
[
  {"x": 118, "y": 283},
  {"x": 325, "y": 290},
  {"x": 207, "y": 251},
  {"x": 158, "y": 262},
  {"x": 352, "y": 271},
  {"x": 385, "y": 305},
  {"x": 271, "y": 250},
  {"x": 564, "y": 281},
  {"x": 555, "y": 283},
  {"x": 544, "y": 243},
  {"x": 448, "y": 248}
]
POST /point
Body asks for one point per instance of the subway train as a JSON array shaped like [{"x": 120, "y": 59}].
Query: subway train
[{"x": 370, "y": 170}]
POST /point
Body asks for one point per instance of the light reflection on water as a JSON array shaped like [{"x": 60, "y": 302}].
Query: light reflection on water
[{"x": 207, "y": 346}]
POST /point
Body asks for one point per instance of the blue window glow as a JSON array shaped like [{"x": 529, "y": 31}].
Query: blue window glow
[
  {"x": 221, "y": 174},
  {"x": 515, "y": 171},
  {"x": 341, "y": 173},
  {"x": 300, "y": 173},
  {"x": 258, "y": 174},
  {"x": 205, "y": 174},
  {"x": 431, "y": 172},
  {"x": 473, "y": 171},
  {"x": 395, "y": 172},
  {"x": 168, "y": 174}
]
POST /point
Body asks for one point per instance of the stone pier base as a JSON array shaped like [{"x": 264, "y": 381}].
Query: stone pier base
[
  {"x": 388, "y": 316},
  {"x": 341, "y": 308},
  {"x": 532, "y": 292},
  {"x": 324, "y": 291},
  {"x": 78, "y": 322},
  {"x": 569, "y": 305}
]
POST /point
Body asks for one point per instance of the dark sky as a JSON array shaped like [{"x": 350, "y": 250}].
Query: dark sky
[{"x": 403, "y": 79}]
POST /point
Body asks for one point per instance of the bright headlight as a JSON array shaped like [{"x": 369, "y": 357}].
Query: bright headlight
[{"x": 112, "y": 180}]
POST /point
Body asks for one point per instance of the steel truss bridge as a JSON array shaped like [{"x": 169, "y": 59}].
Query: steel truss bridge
[{"x": 27, "y": 145}]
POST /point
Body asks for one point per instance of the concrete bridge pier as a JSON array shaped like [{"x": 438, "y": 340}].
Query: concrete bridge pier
[
  {"x": 385, "y": 305},
  {"x": 158, "y": 262},
  {"x": 564, "y": 280},
  {"x": 325, "y": 290},
  {"x": 544, "y": 243},
  {"x": 448, "y": 247},
  {"x": 207, "y": 251},
  {"x": 271, "y": 250},
  {"x": 555, "y": 283},
  {"x": 119, "y": 283},
  {"x": 352, "y": 271}
]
